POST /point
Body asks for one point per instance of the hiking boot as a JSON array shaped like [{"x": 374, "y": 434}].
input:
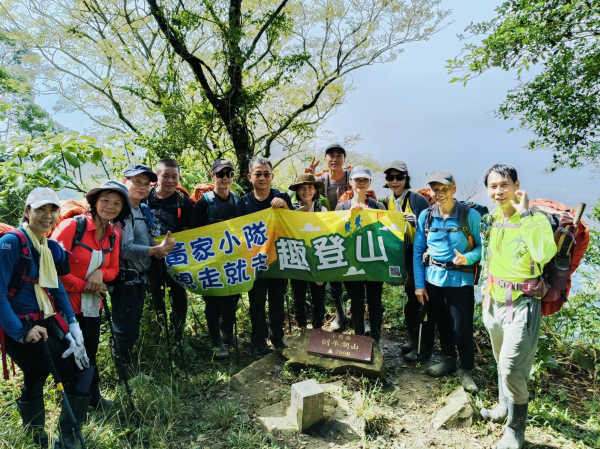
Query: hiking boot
[
  {"x": 514, "y": 431},
  {"x": 220, "y": 352},
  {"x": 413, "y": 355},
  {"x": 67, "y": 438},
  {"x": 259, "y": 353},
  {"x": 97, "y": 402},
  {"x": 34, "y": 420},
  {"x": 230, "y": 339},
  {"x": 446, "y": 366},
  {"x": 409, "y": 345},
  {"x": 339, "y": 322},
  {"x": 466, "y": 380},
  {"x": 499, "y": 413}
]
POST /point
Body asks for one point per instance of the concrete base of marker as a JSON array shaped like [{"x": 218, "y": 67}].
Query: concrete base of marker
[{"x": 306, "y": 405}]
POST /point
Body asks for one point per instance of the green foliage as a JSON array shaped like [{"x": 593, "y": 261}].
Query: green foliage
[{"x": 560, "y": 105}]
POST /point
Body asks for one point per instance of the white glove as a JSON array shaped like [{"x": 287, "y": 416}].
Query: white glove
[
  {"x": 78, "y": 351},
  {"x": 75, "y": 331}
]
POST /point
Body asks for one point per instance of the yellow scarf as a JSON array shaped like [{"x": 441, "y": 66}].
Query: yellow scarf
[{"x": 47, "y": 272}]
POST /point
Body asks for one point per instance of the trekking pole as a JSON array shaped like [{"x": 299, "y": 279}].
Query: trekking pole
[
  {"x": 578, "y": 213},
  {"x": 118, "y": 359},
  {"x": 287, "y": 304},
  {"x": 59, "y": 387},
  {"x": 180, "y": 341},
  {"x": 163, "y": 312},
  {"x": 237, "y": 349},
  {"x": 422, "y": 318}
]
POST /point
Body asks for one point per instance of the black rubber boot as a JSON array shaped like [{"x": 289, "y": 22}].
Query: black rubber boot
[
  {"x": 412, "y": 341},
  {"x": 414, "y": 356},
  {"x": 34, "y": 420},
  {"x": 339, "y": 322},
  {"x": 499, "y": 413},
  {"x": 375, "y": 330},
  {"x": 514, "y": 431},
  {"x": 97, "y": 402},
  {"x": 358, "y": 321},
  {"x": 446, "y": 366},
  {"x": 67, "y": 438}
]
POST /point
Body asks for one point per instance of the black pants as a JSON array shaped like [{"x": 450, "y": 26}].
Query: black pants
[
  {"x": 179, "y": 301},
  {"x": 317, "y": 293},
  {"x": 90, "y": 328},
  {"x": 275, "y": 289},
  {"x": 452, "y": 309},
  {"x": 412, "y": 313},
  {"x": 336, "y": 290},
  {"x": 29, "y": 358},
  {"x": 127, "y": 302},
  {"x": 357, "y": 290},
  {"x": 220, "y": 314}
]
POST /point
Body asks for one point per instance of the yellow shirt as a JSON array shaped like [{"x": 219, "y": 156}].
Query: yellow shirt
[{"x": 409, "y": 230}]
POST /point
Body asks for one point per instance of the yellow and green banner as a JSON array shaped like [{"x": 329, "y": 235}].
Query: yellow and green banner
[{"x": 225, "y": 258}]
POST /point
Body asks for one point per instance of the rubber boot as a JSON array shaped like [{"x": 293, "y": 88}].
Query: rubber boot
[
  {"x": 414, "y": 356},
  {"x": 446, "y": 366},
  {"x": 229, "y": 338},
  {"x": 34, "y": 420},
  {"x": 97, "y": 402},
  {"x": 499, "y": 413},
  {"x": 67, "y": 438},
  {"x": 514, "y": 431},
  {"x": 466, "y": 380},
  {"x": 375, "y": 330},
  {"x": 339, "y": 322},
  {"x": 410, "y": 344}
]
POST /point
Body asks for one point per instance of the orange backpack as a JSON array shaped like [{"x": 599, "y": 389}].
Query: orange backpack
[{"x": 200, "y": 189}]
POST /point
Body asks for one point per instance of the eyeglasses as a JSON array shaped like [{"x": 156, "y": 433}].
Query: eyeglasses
[
  {"x": 266, "y": 174},
  {"x": 399, "y": 177},
  {"x": 224, "y": 174}
]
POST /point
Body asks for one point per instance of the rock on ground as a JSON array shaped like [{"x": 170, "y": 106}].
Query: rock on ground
[{"x": 459, "y": 411}]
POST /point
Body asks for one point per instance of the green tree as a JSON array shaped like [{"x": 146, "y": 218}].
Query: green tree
[
  {"x": 211, "y": 77},
  {"x": 561, "y": 105}
]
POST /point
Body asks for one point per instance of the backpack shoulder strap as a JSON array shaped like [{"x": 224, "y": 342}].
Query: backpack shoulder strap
[
  {"x": 212, "y": 206},
  {"x": 405, "y": 200},
  {"x": 21, "y": 270},
  {"x": 463, "y": 220},
  {"x": 371, "y": 203},
  {"x": 81, "y": 227},
  {"x": 429, "y": 218},
  {"x": 247, "y": 204},
  {"x": 236, "y": 198},
  {"x": 386, "y": 202}
]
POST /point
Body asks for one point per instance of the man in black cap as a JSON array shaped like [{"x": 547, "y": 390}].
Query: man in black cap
[
  {"x": 336, "y": 182},
  {"x": 137, "y": 247},
  {"x": 214, "y": 207}
]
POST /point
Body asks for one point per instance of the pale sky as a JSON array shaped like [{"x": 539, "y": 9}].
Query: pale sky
[{"x": 407, "y": 110}]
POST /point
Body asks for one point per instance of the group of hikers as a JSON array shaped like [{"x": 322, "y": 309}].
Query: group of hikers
[{"x": 52, "y": 290}]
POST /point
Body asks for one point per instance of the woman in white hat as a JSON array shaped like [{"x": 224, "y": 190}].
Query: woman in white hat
[
  {"x": 360, "y": 180},
  {"x": 31, "y": 295}
]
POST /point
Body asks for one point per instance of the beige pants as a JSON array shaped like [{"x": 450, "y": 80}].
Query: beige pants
[{"x": 514, "y": 344}]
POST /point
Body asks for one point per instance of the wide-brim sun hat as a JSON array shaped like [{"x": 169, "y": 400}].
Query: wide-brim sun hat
[
  {"x": 114, "y": 186},
  {"x": 306, "y": 178}
]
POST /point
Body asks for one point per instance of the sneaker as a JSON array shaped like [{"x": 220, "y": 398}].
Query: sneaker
[
  {"x": 446, "y": 366},
  {"x": 413, "y": 355},
  {"x": 466, "y": 380},
  {"x": 259, "y": 353}
]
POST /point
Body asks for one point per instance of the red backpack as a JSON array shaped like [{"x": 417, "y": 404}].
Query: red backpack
[{"x": 572, "y": 237}]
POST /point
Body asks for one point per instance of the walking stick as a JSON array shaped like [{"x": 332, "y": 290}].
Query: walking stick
[
  {"x": 59, "y": 387},
  {"x": 117, "y": 358},
  {"x": 422, "y": 318},
  {"x": 156, "y": 292},
  {"x": 237, "y": 349}
]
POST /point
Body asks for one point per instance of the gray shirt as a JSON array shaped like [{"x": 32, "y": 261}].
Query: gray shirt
[
  {"x": 332, "y": 191},
  {"x": 135, "y": 243}
]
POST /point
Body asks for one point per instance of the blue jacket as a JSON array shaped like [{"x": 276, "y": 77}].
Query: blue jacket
[
  {"x": 25, "y": 302},
  {"x": 441, "y": 246}
]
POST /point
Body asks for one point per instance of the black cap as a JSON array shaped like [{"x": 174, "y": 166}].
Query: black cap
[
  {"x": 137, "y": 169},
  {"x": 335, "y": 146},
  {"x": 220, "y": 164}
]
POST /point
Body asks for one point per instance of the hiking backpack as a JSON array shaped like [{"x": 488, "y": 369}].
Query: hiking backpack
[
  {"x": 209, "y": 196},
  {"x": 463, "y": 219},
  {"x": 572, "y": 237},
  {"x": 81, "y": 227}
]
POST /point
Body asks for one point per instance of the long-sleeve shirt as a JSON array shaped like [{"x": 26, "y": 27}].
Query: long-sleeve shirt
[
  {"x": 79, "y": 257},
  {"x": 25, "y": 302},
  {"x": 135, "y": 242},
  {"x": 511, "y": 249},
  {"x": 441, "y": 246}
]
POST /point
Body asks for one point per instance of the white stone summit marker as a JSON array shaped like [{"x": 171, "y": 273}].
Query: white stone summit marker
[{"x": 306, "y": 407}]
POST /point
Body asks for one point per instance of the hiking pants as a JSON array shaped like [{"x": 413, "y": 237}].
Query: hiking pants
[
  {"x": 30, "y": 360},
  {"x": 220, "y": 314},
  {"x": 336, "y": 290},
  {"x": 514, "y": 344},
  {"x": 452, "y": 309},
  {"x": 412, "y": 314},
  {"x": 275, "y": 290},
  {"x": 357, "y": 290},
  {"x": 317, "y": 293},
  {"x": 127, "y": 308},
  {"x": 179, "y": 301}
]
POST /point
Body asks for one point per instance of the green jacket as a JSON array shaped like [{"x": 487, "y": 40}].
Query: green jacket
[
  {"x": 511, "y": 251},
  {"x": 320, "y": 199}
]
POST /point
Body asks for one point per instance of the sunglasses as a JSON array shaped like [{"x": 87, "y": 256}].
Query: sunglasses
[
  {"x": 399, "y": 177},
  {"x": 225, "y": 174},
  {"x": 266, "y": 174}
]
